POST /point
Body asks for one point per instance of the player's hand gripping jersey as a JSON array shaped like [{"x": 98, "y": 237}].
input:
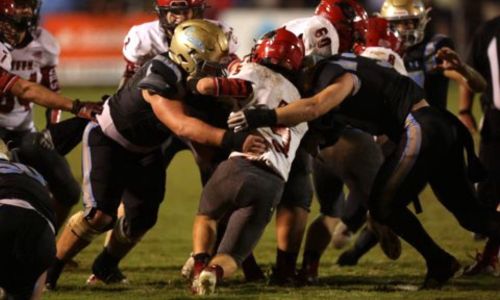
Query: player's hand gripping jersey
[
  {"x": 272, "y": 90},
  {"x": 35, "y": 61}
]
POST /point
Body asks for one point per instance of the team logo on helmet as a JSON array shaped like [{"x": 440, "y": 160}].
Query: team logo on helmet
[
  {"x": 279, "y": 47},
  {"x": 197, "y": 42}
]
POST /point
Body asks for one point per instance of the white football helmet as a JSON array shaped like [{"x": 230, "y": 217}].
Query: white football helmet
[{"x": 318, "y": 34}]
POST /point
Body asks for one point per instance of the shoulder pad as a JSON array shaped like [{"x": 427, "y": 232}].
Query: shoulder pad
[
  {"x": 163, "y": 77},
  {"x": 5, "y": 57},
  {"x": 137, "y": 43},
  {"x": 50, "y": 46},
  {"x": 329, "y": 70}
]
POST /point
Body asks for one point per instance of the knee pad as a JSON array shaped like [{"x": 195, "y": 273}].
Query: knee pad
[
  {"x": 79, "y": 225},
  {"x": 120, "y": 233}
]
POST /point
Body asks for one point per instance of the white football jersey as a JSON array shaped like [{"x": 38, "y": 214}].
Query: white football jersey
[
  {"x": 273, "y": 90},
  {"x": 387, "y": 56},
  {"x": 147, "y": 40},
  {"x": 317, "y": 33},
  {"x": 27, "y": 63}
]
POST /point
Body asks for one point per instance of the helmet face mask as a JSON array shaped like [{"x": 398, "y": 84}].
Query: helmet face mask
[
  {"x": 199, "y": 46},
  {"x": 408, "y": 18},
  {"x": 173, "y": 12},
  {"x": 18, "y": 17}
]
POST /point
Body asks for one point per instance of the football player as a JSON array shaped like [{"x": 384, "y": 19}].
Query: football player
[
  {"x": 372, "y": 96},
  {"x": 30, "y": 53},
  {"x": 27, "y": 228},
  {"x": 149, "y": 39},
  {"x": 33, "y": 55},
  {"x": 424, "y": 52},
  {"x": 430, "y": 62},
  {"x": 484, "y": 56},
  {"x": 122, "y": 151},
  {"x": 248, "y": 185},
  {"x": 320, "y": 40},
  {"x": 355, "y": 159}
]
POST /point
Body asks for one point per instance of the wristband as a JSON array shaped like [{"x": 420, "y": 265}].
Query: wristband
[
  {"x": 77, "y": 105},
  {"x": 233, "y": 141},
  {"x": 261, "y": 117}
]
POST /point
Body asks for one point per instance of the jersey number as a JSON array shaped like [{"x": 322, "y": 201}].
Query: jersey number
[
  {"x": 322, "y": 35},
  {"x": 8, "y": 101}
]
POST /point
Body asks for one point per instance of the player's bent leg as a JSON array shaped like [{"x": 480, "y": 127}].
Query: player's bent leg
[{"x": 81, "y": 229}]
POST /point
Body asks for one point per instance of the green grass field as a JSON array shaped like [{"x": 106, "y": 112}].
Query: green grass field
[{"x": 153, "y": 268}]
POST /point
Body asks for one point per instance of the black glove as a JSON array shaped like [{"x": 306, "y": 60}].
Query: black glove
[
  {"x": 252, "y": 118},
  {"x": 233, "y": 141},
  {"x": 86, "y": 110}
]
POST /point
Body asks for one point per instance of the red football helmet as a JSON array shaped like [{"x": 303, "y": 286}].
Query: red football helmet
[
  {"x": 380, "y": 34},
  {"x": 279, "y": 47},
  {"x": 348, "y": 17},
  {"x": 16, "y": 18},
  {"x": 162, "y": 7}
]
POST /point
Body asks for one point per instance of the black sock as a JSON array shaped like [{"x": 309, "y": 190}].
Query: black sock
[
  {"x": 286, "y": 262},
  {"x": 106, "y": 259}
]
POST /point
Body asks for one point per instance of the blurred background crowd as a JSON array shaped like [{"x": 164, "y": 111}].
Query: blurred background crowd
[{"x": 455, "y": 18}]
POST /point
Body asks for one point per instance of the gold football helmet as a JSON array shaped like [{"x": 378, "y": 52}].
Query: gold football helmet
[
  {"x": 4, "y": 151},
  {"x": 197, "y": 42},
  {"x": 408, "y": 18}
]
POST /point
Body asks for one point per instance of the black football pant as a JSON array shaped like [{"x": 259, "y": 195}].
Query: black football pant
[
  {"x": 430, "y": 150},
  {"x": 27, "y": 249}
]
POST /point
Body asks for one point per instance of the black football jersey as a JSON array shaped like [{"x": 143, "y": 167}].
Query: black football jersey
[
  {"x": 132, "y": 115},
  {"x": 382, "y": 102},
  {"x": 420, "y": 62},
  {"x": 484, "y": 56},
  {"x": 18, "y": 181}
]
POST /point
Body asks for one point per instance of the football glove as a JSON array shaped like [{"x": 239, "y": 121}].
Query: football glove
[
  {"x": 86, "y": 110},
  {"x": 252, "y": 118}
]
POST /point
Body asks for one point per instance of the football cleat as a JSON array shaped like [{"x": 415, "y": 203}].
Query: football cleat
[
  {"x": 188, "y": 267},
  {"x": 105, "y": 273},
  {"x": 280, "y": 278},
  {"x": 483, "y": 265},
  {"x": 348, "y": 258},
  {"x": 437, "y": 276},
  {"x": 341, "y": 236},
  {"x": 205, "y": 283},
  {"x": 115, "y": 277},
  {"x": 308, "y": 275}
]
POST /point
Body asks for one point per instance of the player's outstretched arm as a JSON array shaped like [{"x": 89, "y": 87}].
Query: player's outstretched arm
[
  {"x": 172, "y": 114},
  {"x": 455, "y": 69},
  {"x": 36, "y": 93},
  {"x": 304, "y": 110}
]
